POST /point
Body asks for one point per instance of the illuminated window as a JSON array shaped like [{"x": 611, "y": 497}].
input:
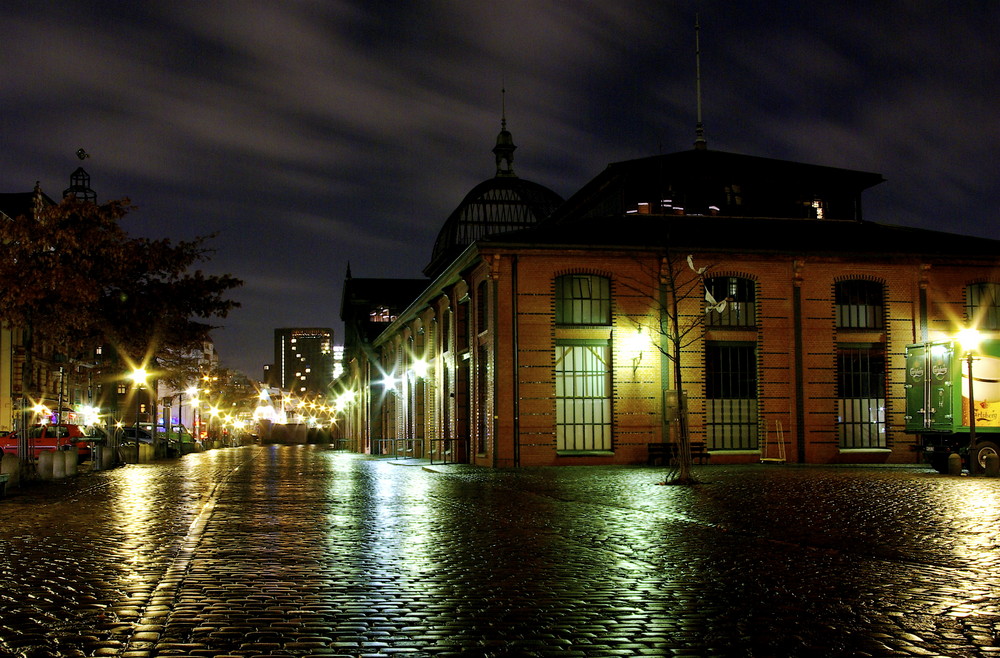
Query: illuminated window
[
  {"x": 583, "y": 299},
  {"x": 861, "y": 396},
  {"x": 462, "y": 326},
  {"x": 583, "y": 395},
  {"x": 731, "y": 396},
  {"x": 381, "y": 314},
  {"x": 982, "y": 305},
  {"x": 818, "y": 208},
  {"x": 740, "y": 296},
  {"x": 859, "y": 304},
  {"x": 482, "y": 391}
]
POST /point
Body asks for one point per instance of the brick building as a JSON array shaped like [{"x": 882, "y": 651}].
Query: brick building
[{"x": 788, "y": 313}]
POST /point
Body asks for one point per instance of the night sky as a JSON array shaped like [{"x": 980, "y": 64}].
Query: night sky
[{"x": 310, "y": 134}]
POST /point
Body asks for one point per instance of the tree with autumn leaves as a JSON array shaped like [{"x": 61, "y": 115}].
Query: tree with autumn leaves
[{"x": 72, "y": 279}]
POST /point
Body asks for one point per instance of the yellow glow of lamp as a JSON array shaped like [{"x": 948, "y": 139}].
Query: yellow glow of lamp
[
  {"x": 969, "y": 339},
  {"x": 420, "y": 368},
  {"x": 138, "y": 376}
]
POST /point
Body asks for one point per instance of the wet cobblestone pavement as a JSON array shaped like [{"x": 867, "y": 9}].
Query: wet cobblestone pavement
[{"x": 303, "y": 551}]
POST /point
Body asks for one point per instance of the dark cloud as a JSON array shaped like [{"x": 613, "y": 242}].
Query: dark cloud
[{"x": 311, "y": 134}]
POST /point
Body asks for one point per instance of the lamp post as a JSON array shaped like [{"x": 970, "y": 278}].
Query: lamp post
[
  {"x": 969, "y": 340},
  {"x": 138, "y": 377}
]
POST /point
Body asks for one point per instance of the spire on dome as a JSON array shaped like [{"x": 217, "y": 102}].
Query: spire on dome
[
  {"x": 504, "y": 150},
  {"x": 699, "y": 130}
]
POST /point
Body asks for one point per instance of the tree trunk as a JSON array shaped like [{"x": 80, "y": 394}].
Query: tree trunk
[{"x": 683, "y": 440}]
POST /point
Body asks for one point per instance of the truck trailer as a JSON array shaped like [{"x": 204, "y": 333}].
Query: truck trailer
[{"x": 945, "y": 407}]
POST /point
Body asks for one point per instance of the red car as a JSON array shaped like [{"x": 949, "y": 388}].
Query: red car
[{"x": 53, "y": 437}]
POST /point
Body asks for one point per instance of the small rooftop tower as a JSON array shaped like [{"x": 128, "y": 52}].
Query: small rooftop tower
[
  {"x": 79, "y": 182},
  {"x": 504, "y": 150}
]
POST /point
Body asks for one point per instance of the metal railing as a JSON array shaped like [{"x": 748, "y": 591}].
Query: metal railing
[
  {"x": 399, "y": 448},
  {"x": 449, "y": 451}
]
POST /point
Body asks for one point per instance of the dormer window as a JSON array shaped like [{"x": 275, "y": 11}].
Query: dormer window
[{"x": 381, "y": 314}]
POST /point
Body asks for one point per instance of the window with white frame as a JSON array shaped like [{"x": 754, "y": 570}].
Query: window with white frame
[
  {"x": 861, "y": 396},
  {"x": 731, "y": 396},
  {"x": 583, "y": 395}
]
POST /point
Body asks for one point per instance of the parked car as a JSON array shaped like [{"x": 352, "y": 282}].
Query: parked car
[
  {"x": 177, "y": 442},
  {"x": 126, "y": 436},
  {"x": 54, "y": 437}
]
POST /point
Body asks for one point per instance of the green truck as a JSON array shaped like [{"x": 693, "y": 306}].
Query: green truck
[{"x": 938, "y": 400}]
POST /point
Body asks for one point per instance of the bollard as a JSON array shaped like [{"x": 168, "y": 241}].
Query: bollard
[
  {"x": 72, "y": 457},
  {"x": 45, "y": 464},
  {"x": 10, "y": 465},
  {"x": 58, "y": 464},
  {"x": 992, "y": 465},
  {"x": 954, "y": 464}
]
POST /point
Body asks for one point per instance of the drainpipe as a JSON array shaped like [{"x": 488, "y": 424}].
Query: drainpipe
[
  {"x": 515, "y": 388},
  {"x": 496, "y": 345},
  {"x": 800, "y": 410}
]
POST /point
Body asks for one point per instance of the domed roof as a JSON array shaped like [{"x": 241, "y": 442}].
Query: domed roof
[{"x": 499, "y": 204}]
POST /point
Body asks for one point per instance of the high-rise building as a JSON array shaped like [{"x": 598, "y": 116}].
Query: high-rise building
[{"x": 303, "y": 359}]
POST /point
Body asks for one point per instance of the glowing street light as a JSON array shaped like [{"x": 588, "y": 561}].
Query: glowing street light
[
  {"x": 138, "y": 377},
  {"x": 420, "y": 368},
  {"x": 970, "y": 339}
]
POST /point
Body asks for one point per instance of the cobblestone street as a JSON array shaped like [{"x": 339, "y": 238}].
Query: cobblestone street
[{"x": 305, "y": 551}]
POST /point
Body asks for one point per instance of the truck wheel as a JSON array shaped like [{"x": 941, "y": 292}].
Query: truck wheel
[{"x": 984, "y": 448}]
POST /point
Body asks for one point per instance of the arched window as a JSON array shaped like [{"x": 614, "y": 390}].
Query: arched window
[
  {"x": 859, "y": 304},
  {"x": 583, "y": 299},
  {"x": 482, "y": 311},
  {"x": 982, "y": 305},
  {"x": 740, "y": 295}
]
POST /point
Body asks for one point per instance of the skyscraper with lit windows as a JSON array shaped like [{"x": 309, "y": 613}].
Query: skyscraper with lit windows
[{"x": 303, "y": 359}]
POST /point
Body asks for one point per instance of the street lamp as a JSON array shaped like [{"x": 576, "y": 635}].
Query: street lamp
[
  {"x": 138, "y": 377},
  {"x": 969, "y": 339}
]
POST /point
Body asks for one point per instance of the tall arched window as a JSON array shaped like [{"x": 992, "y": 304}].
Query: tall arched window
[
  {"x": 583, "y": 299},
  {"x": 583, "y": 366},
  {"x": 859, "y": 304}
]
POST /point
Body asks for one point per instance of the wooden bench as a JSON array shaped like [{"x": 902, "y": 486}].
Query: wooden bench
[{"x": 665, "y": 451}]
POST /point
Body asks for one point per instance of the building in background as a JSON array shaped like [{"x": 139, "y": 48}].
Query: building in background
[{"x": 303, "y": 360}]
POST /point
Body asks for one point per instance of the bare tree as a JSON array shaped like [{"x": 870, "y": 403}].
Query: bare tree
[{"x": 680, "y": 282}]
